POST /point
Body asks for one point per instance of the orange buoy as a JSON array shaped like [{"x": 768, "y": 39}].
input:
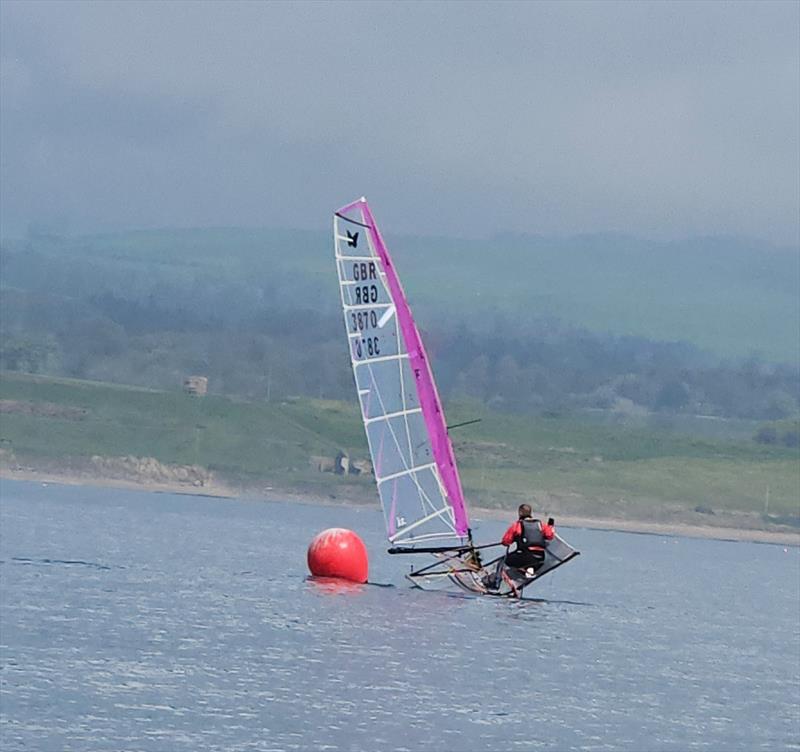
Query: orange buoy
[{"x": 337, "y": 552}]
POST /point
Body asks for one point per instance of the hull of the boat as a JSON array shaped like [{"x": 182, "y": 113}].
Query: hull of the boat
[{"x": 493, "y": 578}]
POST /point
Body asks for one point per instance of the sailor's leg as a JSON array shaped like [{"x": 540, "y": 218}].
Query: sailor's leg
[
  {"x": 537, "y": 561},
  {"x": 513, "y": 585},
  {"x": 493, "y": 576},
  {"x": 497, "y": 577},
  {"x": 517, "y": 559}
]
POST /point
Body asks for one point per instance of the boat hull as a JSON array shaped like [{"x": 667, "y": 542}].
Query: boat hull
[{"x": 493, "y": 578}]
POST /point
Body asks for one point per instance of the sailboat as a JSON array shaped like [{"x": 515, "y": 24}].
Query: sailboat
[{"x": 412, "y": 455}]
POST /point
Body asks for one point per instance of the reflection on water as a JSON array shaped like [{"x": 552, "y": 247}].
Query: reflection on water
[
  {"x": 334, "y": 586},
  {"x": 136, "y": 621}
]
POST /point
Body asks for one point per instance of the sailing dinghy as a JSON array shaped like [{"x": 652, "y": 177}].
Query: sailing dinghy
[{"x": 412, "y": 456}]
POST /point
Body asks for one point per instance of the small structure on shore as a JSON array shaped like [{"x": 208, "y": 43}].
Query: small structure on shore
[
  {"x": 197, "y": 385},
  {"x": 341, "y": 464},
  {"x": 322, "y": 464},
  {"x": 360, "y": 467}
]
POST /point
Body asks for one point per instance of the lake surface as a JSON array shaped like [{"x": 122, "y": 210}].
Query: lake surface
[{"x": 140, "y": 621}]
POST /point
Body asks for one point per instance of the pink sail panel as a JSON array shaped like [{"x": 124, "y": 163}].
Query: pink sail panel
[{"x": 426, "y": 387}]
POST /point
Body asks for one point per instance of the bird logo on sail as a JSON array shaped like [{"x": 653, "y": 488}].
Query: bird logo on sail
[{"x": 352, "y": 239}]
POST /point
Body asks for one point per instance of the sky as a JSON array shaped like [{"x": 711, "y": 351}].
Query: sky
[{"x": 664, "y": 120}]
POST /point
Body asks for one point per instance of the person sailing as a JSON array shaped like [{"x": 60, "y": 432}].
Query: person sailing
[{"x": 531, "y": 536}]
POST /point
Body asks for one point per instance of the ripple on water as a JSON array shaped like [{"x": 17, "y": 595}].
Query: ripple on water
[{"x": 180, "y": 623}]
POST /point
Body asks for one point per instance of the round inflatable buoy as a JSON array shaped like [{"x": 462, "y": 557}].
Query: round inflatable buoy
[{"x": 338, "y": 552}]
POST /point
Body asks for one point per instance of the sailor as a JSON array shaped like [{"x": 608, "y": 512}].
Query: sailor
[{"x": 531, "y": 536}]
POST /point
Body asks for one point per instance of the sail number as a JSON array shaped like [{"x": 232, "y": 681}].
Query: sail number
[
  {"x": 362, "y": 320},
  {"x": 366, "y": 294},
  {"x": 363, "y": 270},
  {"x": 367, "y": 346}
]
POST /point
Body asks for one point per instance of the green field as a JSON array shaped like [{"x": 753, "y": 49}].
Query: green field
[{"x": 562, "y": 464}]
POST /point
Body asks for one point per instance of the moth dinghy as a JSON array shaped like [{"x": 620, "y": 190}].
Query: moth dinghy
[{"x": 412, "y": 456}]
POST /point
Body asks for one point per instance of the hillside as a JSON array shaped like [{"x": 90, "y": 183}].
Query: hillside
[
  {"x": 729, "y": 296},
  {"x": 565, "y": 466}
]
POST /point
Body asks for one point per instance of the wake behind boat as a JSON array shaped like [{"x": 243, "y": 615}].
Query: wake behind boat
[{"x": 412, "y": 456}]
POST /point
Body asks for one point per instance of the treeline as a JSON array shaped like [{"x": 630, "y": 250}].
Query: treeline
[
  {"x": 780, "y": 433},
  {"x": 264, "y": 341},
  {"x": 566, "y": 369}
]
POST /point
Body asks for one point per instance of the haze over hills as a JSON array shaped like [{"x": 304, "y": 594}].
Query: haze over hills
[
  {"x": 529, "y": 324},
  {"x": 732, "y": 297}
]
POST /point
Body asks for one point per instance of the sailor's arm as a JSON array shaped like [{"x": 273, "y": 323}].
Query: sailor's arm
[{"x": 510, "y": 534}]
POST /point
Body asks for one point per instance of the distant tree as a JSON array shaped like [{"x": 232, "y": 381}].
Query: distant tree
[
  {"x": 673, "y": 396},
  {"x": 508, "y": 381},
  {"x": 767, "y": 435},
  {"x": 26, "y": 354},
  {"x": 780, "y": 404},
  {"x": 476, "y": 379},
  {"x": 791, "y": 438},
  {"x": 638, "y": 388}
]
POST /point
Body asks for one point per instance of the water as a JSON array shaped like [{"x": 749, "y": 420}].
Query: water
[{"x": 135, "y": 621}]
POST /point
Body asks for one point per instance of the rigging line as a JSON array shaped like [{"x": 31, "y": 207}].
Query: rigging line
[
  {"x": 353, "y": 221},
  {"x": 456, "y": 550},
  {"x": 440, "y": 562},
  {"x": 447, "y": 573},
  {"x": 464, "y": 423}
]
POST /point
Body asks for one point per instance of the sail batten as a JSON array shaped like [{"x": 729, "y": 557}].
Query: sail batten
[
  {"x": 403, "y": 418},
  {"x": 404, "y": 472},
  {"x": 393, "y": 415},
  {"x": 401, "y": 356}
]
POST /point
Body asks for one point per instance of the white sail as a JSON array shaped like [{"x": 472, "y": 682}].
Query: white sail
[{"x": 415, "y": 501}]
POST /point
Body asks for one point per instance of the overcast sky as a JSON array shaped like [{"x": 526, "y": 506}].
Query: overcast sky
[{"x": 658, "y": 119}]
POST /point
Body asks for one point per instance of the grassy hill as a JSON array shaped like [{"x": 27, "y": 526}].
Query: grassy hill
[
  {"x": 730, "y": 296},
  {"x": 565, "y": 465}
]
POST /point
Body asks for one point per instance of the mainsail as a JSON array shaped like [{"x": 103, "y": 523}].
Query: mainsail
[{"x": 412, "y": 456}]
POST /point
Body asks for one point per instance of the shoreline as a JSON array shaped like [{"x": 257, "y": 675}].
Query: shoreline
[{"x": 220, "y": 490}]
